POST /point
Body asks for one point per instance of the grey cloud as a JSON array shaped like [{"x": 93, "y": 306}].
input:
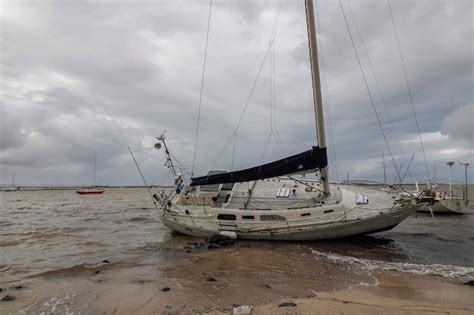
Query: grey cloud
[
  {"x": 144, "y": 60},
  {"x": 10, "y": 130},
  {"x": 459, "y": 123}
]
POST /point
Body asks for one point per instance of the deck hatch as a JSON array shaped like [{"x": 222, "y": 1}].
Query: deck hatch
[{"x": 283, "y": 193}]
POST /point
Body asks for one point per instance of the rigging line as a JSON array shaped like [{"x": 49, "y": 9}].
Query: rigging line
[
  {"x": 202, "y": 87},
  {"x": 272, "y": 106},
  {"x": 252, "y": 89},
  {"x": 367, "y": 87},
  {"x": 378, "y": 85},
  {"x": 409, "y": 89},
  {"x": 275, "y": 131},
  {"x": 233, "y": 153},
  {"x": 272, "y": 84},
  {"x": 180, "y": 165},
  {"x": 273, "y": 126},
  {"x": 326, "y": 93},
  {"x": 266, "y": 146},
  {"x": 272, "y": 109},
  {"x": 276, "y": 19},
  {"x": 245, "y": 106},
  {"x": 408, "y": 167},
  {"x": 129, "y": 149},
  {"x": 277, "y": 136}
]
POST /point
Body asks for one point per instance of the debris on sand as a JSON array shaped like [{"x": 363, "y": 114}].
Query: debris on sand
[
  {"x": 219, "y": 240},
  {"x": 211, "y": 279},
  {"x": 193, "y": 246},
  {"x": 242, "y": 309},
  {"x": 287, "y": 304},
  {"x": 17, "y": 287},
  {"x": 7, "y": 298}
]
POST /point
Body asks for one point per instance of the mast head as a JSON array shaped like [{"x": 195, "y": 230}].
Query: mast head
[
  {"x": 450, "y": 163},
  {"x": 162, "y": 136}
]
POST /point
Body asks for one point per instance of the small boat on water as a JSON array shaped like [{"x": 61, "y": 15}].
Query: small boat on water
[
  {"x": 94, "y": 189},
  {"x": 90, "y": 191}
]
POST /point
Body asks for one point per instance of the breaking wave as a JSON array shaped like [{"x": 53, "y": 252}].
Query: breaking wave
[{"x": 446, "y": 271}]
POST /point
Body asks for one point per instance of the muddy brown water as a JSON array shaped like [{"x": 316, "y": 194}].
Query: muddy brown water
[{"x": 52, "y": 238}]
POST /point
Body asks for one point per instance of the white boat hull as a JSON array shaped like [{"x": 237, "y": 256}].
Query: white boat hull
[
  {"x": 338, "y": 217},
  {"x": 446, "y": 206},
  {"x": 311, "y": 233}
]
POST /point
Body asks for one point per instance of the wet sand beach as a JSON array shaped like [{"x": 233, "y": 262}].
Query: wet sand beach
[
  {"x": 63, "y": 253},
  {"x": 240, "y": 275}
]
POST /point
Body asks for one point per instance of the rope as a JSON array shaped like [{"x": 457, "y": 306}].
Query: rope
[
  {"x": 273, "y": 129},
  {"x": 367, "y": 87},
  {"x": 252, "y": 89},
  {"x": 409, "y": 89},
  {"x": 378, "y": 86},
  {"x": 129, "y": 149},
  {"x": 244, "y": 108},
  {"x": 202, "y": 87}
]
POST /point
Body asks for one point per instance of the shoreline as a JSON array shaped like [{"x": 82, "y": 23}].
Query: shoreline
[
  {"x": 397, "y": 294},
  {"x": 212, "y": 281}
]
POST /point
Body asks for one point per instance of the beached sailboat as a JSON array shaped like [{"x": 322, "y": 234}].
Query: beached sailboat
[
  {"x": 447, "y": 202},
  {"x": 92, "y": 190},
  {"x": 269, "y": 202}
]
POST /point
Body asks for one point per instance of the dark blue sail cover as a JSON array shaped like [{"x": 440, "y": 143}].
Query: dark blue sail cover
[{"x": 313, "y": 159}]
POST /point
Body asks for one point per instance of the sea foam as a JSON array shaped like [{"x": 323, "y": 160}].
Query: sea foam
[{"x": 447, "y": 271}]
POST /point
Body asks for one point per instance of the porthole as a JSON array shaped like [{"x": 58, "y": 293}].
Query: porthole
[{"x": 229, "y": 217}]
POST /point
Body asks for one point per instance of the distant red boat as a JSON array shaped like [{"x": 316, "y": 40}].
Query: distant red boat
[{"x": 90, "y": 192}]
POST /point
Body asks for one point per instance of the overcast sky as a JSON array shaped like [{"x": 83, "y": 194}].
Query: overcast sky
[{"x": 144, "y": 60}]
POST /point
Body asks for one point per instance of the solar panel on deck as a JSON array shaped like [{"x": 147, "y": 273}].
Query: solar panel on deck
[{"x": 212, "y": 187}]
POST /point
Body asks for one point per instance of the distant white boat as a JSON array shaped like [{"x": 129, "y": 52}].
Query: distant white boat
[
  {"x": 12, "y": 187},
  {"x": 443, "y": 202},
  {"x": 447, "y": 202}
]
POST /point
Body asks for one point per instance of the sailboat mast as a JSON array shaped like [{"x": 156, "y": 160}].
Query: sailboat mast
[
  {"x": 317, "y": 96},
  {"x": 95, "y": 168}
]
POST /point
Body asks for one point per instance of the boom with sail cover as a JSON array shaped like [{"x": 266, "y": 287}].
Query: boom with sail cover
[{"x": 315, "y": 158}]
